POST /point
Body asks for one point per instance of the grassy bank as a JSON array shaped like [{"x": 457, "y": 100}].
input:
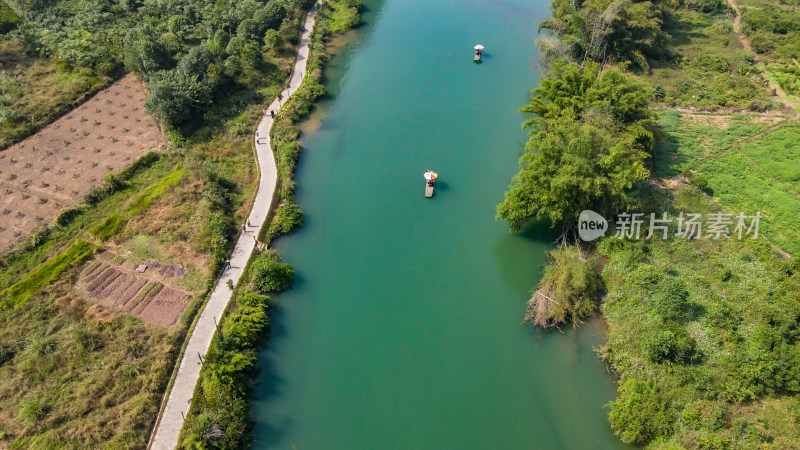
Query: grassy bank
[
  {"x": 220, "y": 414},
  {"x": 702, "y": 332}
]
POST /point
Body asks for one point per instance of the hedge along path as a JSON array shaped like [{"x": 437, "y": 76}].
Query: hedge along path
[{"x": 170, "y": 421}]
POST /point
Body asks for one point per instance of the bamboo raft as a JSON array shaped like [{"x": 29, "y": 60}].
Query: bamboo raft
[{"x": 428, "y": 190}]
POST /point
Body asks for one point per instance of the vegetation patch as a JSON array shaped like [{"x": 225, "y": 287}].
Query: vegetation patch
[{"x": 46, "y": 273}]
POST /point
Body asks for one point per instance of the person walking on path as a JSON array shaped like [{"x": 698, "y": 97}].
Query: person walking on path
[
  {"x": 244, "y": 228},
  {"x": 227, "y": 264},
  {"x": 248, "y": 222},
  {"x": 272, "y": 112}
]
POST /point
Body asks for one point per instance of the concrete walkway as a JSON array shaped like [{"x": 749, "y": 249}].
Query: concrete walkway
[{"x": 168, "y": 428}]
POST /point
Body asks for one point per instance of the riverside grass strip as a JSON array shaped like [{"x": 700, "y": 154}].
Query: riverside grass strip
[{"x": 46, "y": 273}]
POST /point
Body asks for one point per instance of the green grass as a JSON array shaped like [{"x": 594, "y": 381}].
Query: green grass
[
  {"x": 108, "y": 228},
  {"x": 115, "y": 221},
  {"x": 688, "y": 140},
  {"x": 151, "y": 193},
  {"x": 34, "y": 91},
  {"x": 778, "y": 153},
  {"x": 739, "y": 186},
  {"x": 769, "y": 183},
  {"x": 788, "y": 77},
  {"x": 707, "y": 67},
  {"x": 46, "y": 273}
]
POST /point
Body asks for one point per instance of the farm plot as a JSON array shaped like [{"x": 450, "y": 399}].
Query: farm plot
[
  {"x": 53, "y": 169},
  {"x": 147, "y": 297}
]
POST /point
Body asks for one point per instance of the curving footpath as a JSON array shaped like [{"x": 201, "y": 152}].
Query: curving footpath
[{"x": 170, "y": 422}]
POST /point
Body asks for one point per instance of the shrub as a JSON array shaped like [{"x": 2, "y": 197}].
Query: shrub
[
  {"x": 670, "y": 343},
  {"x": 45, "y": 273},
  {"x": 671, "y": 303},
  {"x": 287, "y": 218},
  {"x": 269, "y": 273},
  {"x": 108, "y": 227},
  {"x": 640, "y": 413}
]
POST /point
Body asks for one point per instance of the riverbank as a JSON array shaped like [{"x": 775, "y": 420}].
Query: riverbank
[
  {"x": 697, "y": 320},
  {"x": 218, "y": 413}
]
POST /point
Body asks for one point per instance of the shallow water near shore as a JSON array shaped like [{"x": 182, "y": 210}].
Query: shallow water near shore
[{"x": 403, "y": 330}]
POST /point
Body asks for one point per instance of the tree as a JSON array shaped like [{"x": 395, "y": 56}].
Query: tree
[
  {"x": 625, "y": 30},
  {"x": 273, "y": 40},
  {"x": 144, "y": 54},
  {"x": 196, "y": 63},
  {"x": 271, "y": 16},
  {"x": 175, "y": 98},
  {"x": 589, "y": 143},
  {"x": 270, "y": 274},
  {"x": 249, "y": 29}
]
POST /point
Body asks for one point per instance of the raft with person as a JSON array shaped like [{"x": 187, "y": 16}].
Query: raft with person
[
  {"x": 430, "y": 179},
  {"x": 478, "y": 53}
]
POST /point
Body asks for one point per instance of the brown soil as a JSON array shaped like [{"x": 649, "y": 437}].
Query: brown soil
[
  {"x": 145, "y": 296},
  {"x": 53, "y": 169}
]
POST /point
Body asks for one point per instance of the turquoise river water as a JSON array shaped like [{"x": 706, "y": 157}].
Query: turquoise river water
[{"x": 403, "y": 331}]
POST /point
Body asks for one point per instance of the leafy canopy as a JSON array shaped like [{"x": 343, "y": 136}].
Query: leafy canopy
[{"x": 590, "y": 139}]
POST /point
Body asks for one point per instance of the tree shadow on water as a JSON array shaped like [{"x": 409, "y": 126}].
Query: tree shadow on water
[
  {"x": 268, "y": 384},
  {"x": 519, "y": 256}
]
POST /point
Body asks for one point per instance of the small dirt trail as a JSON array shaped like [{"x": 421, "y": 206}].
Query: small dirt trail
[
  {"x": 171, "y": 417},
  {"x": 737, "y": 28}
]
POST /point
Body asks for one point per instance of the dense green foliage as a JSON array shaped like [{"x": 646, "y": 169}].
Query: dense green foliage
[
  {"x": 8, "y": 18},
  {"x": 698, "y": 331},
  {"x": 268, "y": 273},
  {"x": 625, "y": 30},
  {"x": 220, "y": 415},
  {"x": 590, "y": 140},
  {"x": 773, "y": 27}
]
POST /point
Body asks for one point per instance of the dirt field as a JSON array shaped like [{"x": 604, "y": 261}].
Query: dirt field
[
  {"x": 53, "y": 169},
  {"x": 147, "y": 296}
]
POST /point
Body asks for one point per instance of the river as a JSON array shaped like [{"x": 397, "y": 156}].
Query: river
[{"x": 403, "y": 330}]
